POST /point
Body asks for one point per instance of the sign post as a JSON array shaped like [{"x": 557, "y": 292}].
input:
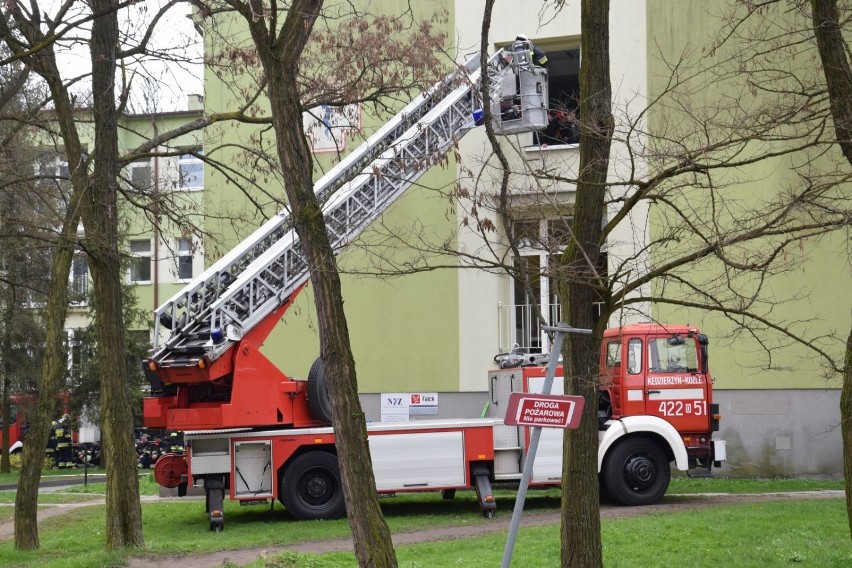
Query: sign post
[{"x": 566, "y": 412}]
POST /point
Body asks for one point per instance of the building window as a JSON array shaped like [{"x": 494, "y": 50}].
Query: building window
[
  {"x": 563, "y": 69},
  {"x": 78, "y": 285},
  {"x": 140, "y": 262},
  {"x": 183, "y": 259},
  {"x": 539, "y": 241},
  {"x": 540, "y": 244},
  {"x": 191, "y": 172},
  {"x": 51, "y": 169},
  {"x": 141, "y": 176}
]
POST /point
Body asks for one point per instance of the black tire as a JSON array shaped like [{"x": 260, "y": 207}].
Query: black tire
[
  {"x": 318, "y": 402},
  {"x": 310, "y": 487},
  {"x": 605, "y": 497},
  {"x": 636, "y": 472}
]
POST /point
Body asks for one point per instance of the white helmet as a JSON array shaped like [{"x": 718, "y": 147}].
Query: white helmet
[{"x": 522, "y": 37}]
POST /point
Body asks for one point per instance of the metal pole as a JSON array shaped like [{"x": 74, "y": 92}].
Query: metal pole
[{"x": 560, "y": 330}]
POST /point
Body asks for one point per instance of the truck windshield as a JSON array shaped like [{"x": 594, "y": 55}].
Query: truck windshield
[{"x": 665, "y": 356}]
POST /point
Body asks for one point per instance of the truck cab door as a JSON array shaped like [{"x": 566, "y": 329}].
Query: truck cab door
[{"x": 675, "y": 388}]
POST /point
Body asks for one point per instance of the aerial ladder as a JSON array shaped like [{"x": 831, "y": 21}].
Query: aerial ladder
[{"x": 205, "y": 368}]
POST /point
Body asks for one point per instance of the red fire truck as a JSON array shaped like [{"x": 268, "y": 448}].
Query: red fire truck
[
  {"x": 85, "y": 433},
  {"x": 259, "y": 435},
  {"x": 17, "y": 422}
]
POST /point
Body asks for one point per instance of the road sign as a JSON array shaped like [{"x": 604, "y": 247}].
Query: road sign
[{"x": 544, "y": 410}]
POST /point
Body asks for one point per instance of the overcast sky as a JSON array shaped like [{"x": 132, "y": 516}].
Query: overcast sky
[{"x": 156, "y": 84}]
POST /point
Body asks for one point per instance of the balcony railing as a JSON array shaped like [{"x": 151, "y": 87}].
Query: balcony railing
[
  {"x": 518, "y": 325},
  {"x": 78, "y": 291}
]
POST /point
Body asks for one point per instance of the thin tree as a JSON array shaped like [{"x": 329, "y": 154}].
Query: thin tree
[
  {"x": 55, "y": 361},
  {"x": 34, "y": 37},
  {"x": 579, "y": 284},
  {"x": 100, "y": 218},
  {"x": 280, "y": 51}
]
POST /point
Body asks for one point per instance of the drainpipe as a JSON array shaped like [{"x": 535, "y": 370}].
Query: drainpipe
[{"x": 156, "y": 192}]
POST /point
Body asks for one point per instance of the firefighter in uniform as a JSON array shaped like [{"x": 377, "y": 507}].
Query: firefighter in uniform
[
  {"x": 538, "y": 56},
  {"x": 174, "y": 443},
  {"x": 63, "y": 443}
]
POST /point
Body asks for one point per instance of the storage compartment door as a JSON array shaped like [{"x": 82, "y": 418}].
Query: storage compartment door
[
  {"x": 252, "y": 470},
  {"x": 409, "y": 461}
]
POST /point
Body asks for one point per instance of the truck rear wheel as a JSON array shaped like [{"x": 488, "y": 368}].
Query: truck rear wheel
[
  {"x": 636, "y": 472},
  {"x": 310, "y": 487}
]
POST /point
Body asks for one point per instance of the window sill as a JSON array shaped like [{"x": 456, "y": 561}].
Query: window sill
[{"x": 140, "y": 282}]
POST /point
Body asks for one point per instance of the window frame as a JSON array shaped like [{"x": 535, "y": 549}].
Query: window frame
[
  {"x": 190, "y": 160},
  {"x": 138, "y": 165},
  {"x": 632, "y": 367},
  {"x": 51, "y": 168},
  {"x": 561, "y": 100},
  {"x": 182, "y": 254},
  {"x": 136, "y": 256}
]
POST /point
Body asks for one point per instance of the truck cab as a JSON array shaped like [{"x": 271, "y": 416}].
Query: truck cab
[{"x": 662, "y": 371}]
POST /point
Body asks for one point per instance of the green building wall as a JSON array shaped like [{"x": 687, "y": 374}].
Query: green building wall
[
  {"x": 780, "y": 409},
  {"x": 814, "y": 292}
]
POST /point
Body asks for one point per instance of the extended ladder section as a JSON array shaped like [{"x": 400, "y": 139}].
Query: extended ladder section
[{"x": 254, "y": 279}]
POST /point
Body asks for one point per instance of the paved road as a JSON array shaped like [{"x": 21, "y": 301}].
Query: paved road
[{"x": 76, "y": 478}]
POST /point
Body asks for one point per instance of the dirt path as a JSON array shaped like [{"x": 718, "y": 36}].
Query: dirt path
[
  {"x": 7, "y": 528},
  {"x": 246, "y": 555}
]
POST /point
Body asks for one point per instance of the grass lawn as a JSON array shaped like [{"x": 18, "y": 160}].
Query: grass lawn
[
  {"x": 805, "y": 533},
  {"x": 811, "y": 533}
]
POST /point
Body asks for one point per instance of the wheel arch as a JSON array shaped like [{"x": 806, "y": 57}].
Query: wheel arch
[{"x": 649, "y": 427}]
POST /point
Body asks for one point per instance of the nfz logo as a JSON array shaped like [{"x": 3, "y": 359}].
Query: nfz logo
[{"x": 394, "y": 401}]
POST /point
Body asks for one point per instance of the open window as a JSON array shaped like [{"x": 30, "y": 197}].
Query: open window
[{"x": 563, "y": 67}]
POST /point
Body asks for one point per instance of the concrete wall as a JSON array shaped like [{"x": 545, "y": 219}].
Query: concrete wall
[{"x": 782, "y": 433}]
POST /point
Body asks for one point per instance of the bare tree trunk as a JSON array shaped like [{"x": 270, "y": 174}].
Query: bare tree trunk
[
  {"x": 55, "y": 360},
  {"x": 280, "y": 59},
  {"x": 100, "y": 218},
  {"x": 578, "y": 281},
  {"x": 846, "y": 426},
  {"x": 835, "y": 65},
  {"x": 55, "y": 363},
  {"x": 833, "y": 52}
]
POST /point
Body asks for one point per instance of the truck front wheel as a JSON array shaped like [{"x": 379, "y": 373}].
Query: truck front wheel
[
  {"x": 310, "y": 487},
  {"x": 636, "y": 472}
]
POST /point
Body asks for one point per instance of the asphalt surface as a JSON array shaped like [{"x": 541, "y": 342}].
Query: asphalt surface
[{"x": 76, "y": 478}]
